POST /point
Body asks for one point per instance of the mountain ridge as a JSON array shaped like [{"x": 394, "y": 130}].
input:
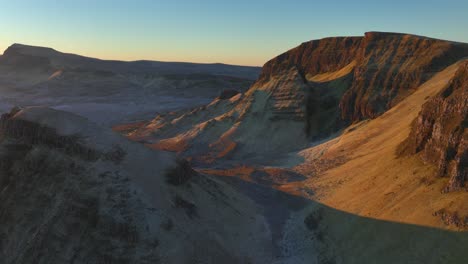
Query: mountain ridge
[
  {"x": 111, "y": 91},
  {"x": 40, "y": 51},
  {"x": 366, "y": 76}
]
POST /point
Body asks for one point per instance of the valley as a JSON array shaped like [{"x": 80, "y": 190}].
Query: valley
[{"x": 341, "y": 150}]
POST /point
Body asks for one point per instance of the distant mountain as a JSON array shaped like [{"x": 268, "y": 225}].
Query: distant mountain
[
  {"x": 111, "y": 91},
  {"x": 19, "y": 55}
]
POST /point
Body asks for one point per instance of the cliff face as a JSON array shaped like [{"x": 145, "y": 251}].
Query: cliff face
[
  {"x": 388, "y": 67},
  {"x": 391, "y": 66},
  {"x": 314, "y": 57},
  {"x": 440, "y": 133},
  {"x": 310, "y": 98}
]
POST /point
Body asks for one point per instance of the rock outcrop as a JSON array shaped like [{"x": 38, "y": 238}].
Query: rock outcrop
[{"x": 440, "y": 133}]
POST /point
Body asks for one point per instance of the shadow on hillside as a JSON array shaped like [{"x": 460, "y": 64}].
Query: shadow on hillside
[{"x": 341, "y": 237}]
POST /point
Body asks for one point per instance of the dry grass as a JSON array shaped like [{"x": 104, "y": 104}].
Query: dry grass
[
  {"x": 329, "y": 76},
  {"x": 373, "y": 182}
]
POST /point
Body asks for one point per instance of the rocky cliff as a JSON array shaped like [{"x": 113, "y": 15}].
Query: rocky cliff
[
  {"x": 391, "y": 66},
  {"x": 387, "y": 67},
  {"x": 440, "y": 133},
  {"x": 314, "y": 57}
]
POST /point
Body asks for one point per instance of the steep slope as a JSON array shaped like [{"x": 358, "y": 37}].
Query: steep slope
[
  {"x": 360, "y": 172},
  {"x": 309, "y": 93},
  {"x": 314, "y": 57},
  {"x": 391, "y": 66},
  {"x": 440, "y": 132},
  {"x": 73, "y": 192},
  {"x": 111, "y": 92}
]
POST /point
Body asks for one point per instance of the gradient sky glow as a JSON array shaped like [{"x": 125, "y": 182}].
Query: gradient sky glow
[{"x": 247, "y": 32}]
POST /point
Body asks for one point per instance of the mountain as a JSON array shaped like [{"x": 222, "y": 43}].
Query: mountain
[
  {"x": 111, "y": 92},
  {"x": 306, "y": 94},
  {"x": 21, "y": 56},
  {"x": 374, "y": 126}
]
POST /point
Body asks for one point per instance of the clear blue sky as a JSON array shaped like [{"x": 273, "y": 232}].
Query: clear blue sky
[{"x": 245, "y": 32}]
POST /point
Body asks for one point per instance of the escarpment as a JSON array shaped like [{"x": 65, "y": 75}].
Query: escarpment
[
  {"x": 391, "y": 66},
  {"x": 314, "y": 57},
  {"x": 386, "y": 67},
  {"x": 309, "y": 93},
  {"x": 440, "y": 133}
]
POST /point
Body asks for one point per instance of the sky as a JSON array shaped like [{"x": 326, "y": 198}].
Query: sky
[{"x": 243, "y": 32}]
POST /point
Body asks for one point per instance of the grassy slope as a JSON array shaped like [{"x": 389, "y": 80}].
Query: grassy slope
[{"x": 366, "y": 178}]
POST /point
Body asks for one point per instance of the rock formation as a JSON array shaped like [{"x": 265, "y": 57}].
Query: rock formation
[
  {"x": 309, "y": 93},
  {"x": 440, "y": 133}
]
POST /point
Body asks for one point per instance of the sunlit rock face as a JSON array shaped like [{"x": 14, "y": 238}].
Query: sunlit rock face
[
  {"x": 440, "y": 133},
  {"x": 391, "y": 66},
  {"x": 388, "y": 67}
]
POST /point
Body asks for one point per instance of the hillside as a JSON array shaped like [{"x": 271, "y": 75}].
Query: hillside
[
  {"x": 74, "y": 192},
  {"x": 362, "y": 172}
]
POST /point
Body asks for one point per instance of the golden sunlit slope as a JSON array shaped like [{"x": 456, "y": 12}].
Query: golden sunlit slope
[{"x": 360, "y": 173}]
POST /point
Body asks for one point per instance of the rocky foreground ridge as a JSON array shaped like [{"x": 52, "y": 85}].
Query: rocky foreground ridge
[{"x": 73, "y": 192}]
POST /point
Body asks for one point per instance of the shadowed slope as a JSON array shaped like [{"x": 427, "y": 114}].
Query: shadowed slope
[
  {"x": 74, "y": 192},
  {"x": 304, "y": 231}
]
